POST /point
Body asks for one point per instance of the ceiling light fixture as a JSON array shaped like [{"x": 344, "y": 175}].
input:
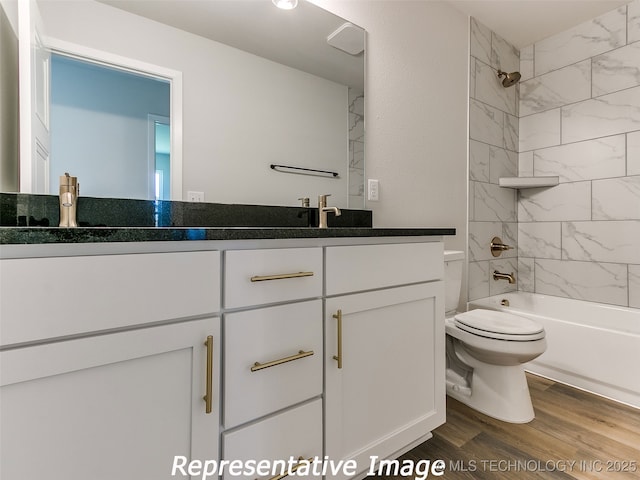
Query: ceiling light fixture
[{"x": 285, "y": 4}]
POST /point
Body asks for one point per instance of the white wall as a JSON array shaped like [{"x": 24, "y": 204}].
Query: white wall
[
  {"x": 226, "y": 142},
  {"x": 9, "y": 140},
  {"x": 415, "y": 110}
]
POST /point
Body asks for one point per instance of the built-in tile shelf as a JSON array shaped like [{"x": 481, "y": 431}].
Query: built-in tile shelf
[{"x": 528, "y": 182}]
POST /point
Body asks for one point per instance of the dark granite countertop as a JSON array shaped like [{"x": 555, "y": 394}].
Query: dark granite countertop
[
  {"x": 30, "y": 219},
  {"x": 41, "y": 235}
]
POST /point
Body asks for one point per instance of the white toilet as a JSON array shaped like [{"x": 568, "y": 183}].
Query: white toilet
[{"x": 485, "y": 353}]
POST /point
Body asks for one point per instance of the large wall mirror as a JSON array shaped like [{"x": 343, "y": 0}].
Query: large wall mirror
[{"x": 259, "y": 86}]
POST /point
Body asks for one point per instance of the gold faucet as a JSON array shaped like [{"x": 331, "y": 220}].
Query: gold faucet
[
  {"x": 323, "y": 210},
  {"x": 69, "y": 191},
  {"x": 506, "y": 276}
]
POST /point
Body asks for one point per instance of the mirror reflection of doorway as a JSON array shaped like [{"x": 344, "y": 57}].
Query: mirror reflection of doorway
[
  {"x": 160, "y": 160},
  {"x": 100, "y": 128}
]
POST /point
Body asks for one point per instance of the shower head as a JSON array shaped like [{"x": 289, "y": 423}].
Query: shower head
[{"x": 509, "y": 78}]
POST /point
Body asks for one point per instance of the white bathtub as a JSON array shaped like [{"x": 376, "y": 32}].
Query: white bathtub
[{"x": 592, "y": 346}]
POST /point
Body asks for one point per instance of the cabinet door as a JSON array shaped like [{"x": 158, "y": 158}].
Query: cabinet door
[
  {"x": 389, "y": 393},
  {"x": 113, "y": 406}
]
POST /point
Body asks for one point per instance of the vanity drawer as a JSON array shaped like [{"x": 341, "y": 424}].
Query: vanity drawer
[
  {"x": 366, "y": 267},
  {"x": 266, "y": 335},
  {"x": 254, "y": 277},
  {"x": 58, "y": 296},
  {"x": 294, "y": 433}
]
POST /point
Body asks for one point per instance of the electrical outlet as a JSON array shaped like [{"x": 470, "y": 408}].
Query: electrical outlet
[
  {"x": 195, "y": 196},
  {"x": 373, "y": 190}
]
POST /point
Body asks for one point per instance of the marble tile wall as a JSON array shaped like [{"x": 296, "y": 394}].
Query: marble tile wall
[
  {"x": 493, "y": 153},
  {"x": 579, "y": 108},
  {"x": 356, "y": 148}
]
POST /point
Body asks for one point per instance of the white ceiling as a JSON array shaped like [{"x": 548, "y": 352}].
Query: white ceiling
[{"x": 524, "y": 22}]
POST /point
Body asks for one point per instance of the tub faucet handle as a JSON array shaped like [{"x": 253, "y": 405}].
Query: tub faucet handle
[{"x": 497, "y": 247}]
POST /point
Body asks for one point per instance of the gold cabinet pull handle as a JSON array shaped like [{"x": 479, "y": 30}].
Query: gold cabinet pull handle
[
  {"x": 262, "y": 278},
  {"x": 261, "y": 366},
  {"x": 301, "y": 461},
  {"x": 208, "y": 398},
  {"x": 338, "y": 316}
]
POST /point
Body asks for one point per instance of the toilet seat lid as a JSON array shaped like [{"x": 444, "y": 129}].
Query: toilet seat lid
[{"x": 499, "y": 325}]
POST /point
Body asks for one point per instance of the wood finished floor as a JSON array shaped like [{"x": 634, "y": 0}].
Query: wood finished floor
[{"x": 570, "y": 425}]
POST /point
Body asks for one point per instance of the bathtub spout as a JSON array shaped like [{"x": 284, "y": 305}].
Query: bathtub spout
[{"x": 506, "y": 276}]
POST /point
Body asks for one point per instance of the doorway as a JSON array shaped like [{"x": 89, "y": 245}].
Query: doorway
[
  {"x": 160, "y": 156},
  {"x": 99, "y": 128}
]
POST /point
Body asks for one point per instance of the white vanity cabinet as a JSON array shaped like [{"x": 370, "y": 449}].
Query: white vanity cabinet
[
  {"x": 111, "y": 383},
  {"x": 323, "y": 348},
  {"x": 384, "y": 354}
]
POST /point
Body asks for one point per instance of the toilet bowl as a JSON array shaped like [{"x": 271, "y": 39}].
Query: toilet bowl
[{"x": 486, "y": 351}]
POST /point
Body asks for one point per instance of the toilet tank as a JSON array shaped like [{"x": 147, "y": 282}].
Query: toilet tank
[{"x": 453, "y": 260}]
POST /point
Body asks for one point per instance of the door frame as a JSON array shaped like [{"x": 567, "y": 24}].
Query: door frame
[
  {"x": 35, "y": 137},
  {"x": 174, "y": 77}
]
